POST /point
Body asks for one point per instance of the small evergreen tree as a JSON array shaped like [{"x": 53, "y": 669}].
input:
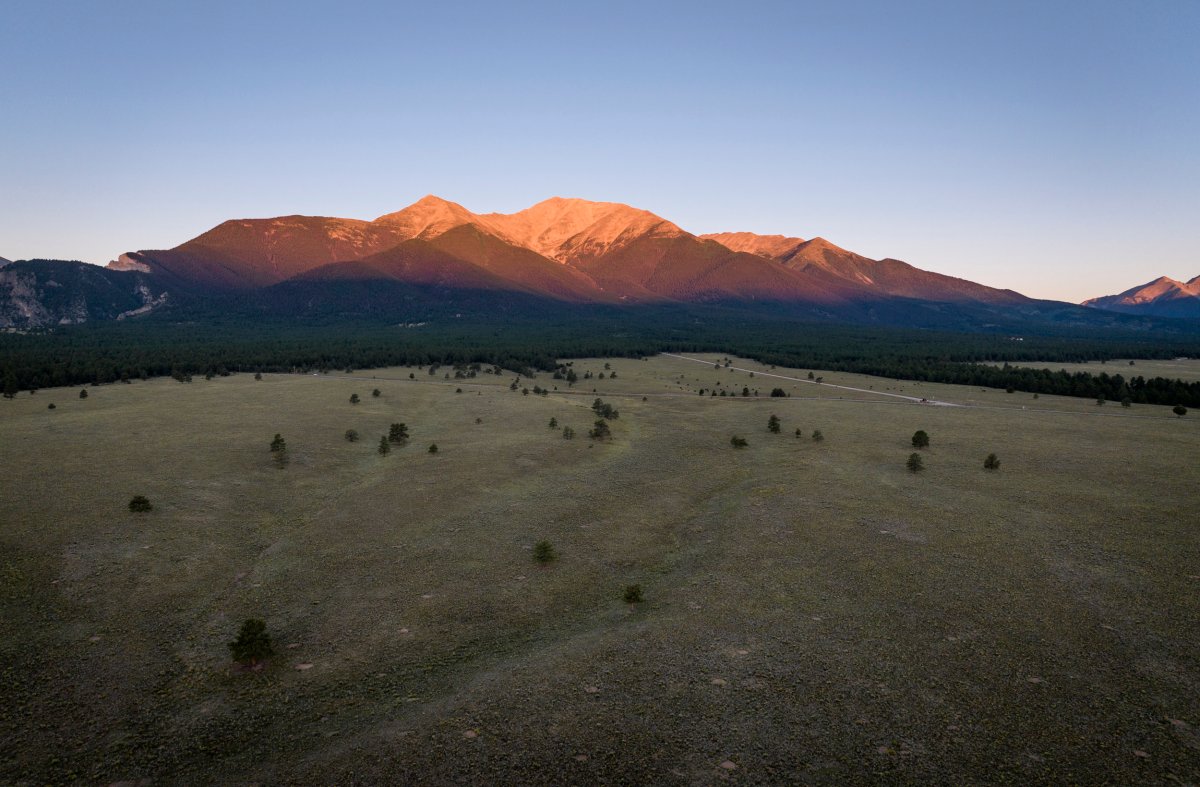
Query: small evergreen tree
[
  {"x": 920, "y": 439},
  {"x": 398, "y": 433},
  {"x": 139, "y": 504},
  {"x": 773, "y": 424},
  {"x": 992, "y": 462},
  {"x": 50, "y": 406},
  {"x": 384, "y": 445},
  {"x": 83, "y": 393},
  {"x": 258, "y": 375},
  {"x": 738, "y": 442},
  {"x": 433, "y": 448},
  {"x": 568, "y": 433},
  {"x": 376, "y": 393},
  {"x": 1179, "y": 410},
  {"x": 1126, "y": 402},
  {"x": 915, "y": 464},
  {"x": 817, "y": 436},
  {"x": 253, "y": 644},
  {"x": 351, "y": 436},
  {"x": 354, "y": 398},
  {"x": 553, "y": 423},
  {"x": 799, "y": 434},
  {"x": 543, "y": 552},
  {"x": 632, "y": 594},
  {"x": 778, "y": 392},
  {"x": 278, "y": 444},
  {"x": 600, "y": 430}
]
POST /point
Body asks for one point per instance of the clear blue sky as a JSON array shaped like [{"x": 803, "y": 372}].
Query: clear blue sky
[{"x": 1050, "y": 147}]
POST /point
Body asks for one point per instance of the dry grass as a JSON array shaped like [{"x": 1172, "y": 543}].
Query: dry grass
[{"x": 814, "y": 613}]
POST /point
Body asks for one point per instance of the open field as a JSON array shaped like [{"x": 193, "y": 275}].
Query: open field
[
  {"x": 1183, "y": 369},
  {"x": 813, "y": 612}
]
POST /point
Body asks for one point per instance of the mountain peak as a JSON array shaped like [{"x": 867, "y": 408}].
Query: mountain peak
[
  {"x": 427, "y": 217},
  {"x": 563, "y": 228}
]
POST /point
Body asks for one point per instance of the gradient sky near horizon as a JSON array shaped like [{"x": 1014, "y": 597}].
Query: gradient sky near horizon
[{"x": 1050, "y": 147}]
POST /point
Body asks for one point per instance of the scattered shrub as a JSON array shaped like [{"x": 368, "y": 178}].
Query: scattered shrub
[
  {"x": 738, "y": 442},
  {"x": 376, "y": 393},
  {"x": 773, "y": 424},
  {"x": 568, "y": 433},
  {"x": 632, "y": 594},
  {"x": 384, "y": 445},
  {"x": 354, "y": 398},
  {"x": 992, "y": 462},
  {"x": 140, "y": 504},
  {"x": 915, "y": 464},
  {"x": 1179, "y": 410},
  {"x": 553, "y": 423},
  {"x": 83, "y": 393},
  {"x": 817, "y": 436},
  {"x": 433, "y": 448},
  {"x": 351, "y": 436},
  {"x": 920, "y": 439}
]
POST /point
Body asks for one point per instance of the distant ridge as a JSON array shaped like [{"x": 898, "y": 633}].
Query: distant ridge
[{"x": 1162, "y": 297}]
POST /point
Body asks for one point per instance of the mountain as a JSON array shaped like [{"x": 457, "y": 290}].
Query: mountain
[
  {"x": 4, "y": 262},
  {"x": 42, "y": 293},
  {"x": 1163, "y": 297}
]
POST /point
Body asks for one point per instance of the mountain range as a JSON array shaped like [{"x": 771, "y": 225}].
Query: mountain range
[
  {"x": 565, "y": 249},
  {"x": 557, "y": 253}
]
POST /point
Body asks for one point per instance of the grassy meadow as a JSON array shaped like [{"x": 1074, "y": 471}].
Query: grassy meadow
[{"x": 813, "y": 612}]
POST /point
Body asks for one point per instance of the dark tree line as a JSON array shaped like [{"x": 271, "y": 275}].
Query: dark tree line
[{"x": 106, "y": 353}]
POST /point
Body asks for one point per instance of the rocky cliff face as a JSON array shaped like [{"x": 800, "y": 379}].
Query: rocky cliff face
[{"x": 38, "y": 294}]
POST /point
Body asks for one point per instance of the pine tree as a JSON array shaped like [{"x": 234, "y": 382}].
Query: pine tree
[
  {"x": 915, "y": 463},
  {"x": 991, "y": 463},
  {"x": 920, "y": 439},
  {"x": 773, "y": 424},
  {"x": 543, "y": 552},
  {"x": 253, "y": 644},
  {"x": 384, "y": 445}
]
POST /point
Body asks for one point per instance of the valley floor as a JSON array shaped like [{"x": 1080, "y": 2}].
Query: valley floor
[{"x": 813, "y": 613}]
